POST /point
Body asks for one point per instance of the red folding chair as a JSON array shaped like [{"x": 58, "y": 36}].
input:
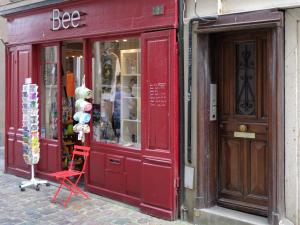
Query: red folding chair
[{"x": 63, "y": 177}]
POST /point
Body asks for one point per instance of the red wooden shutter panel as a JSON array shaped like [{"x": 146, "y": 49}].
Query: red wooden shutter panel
[
  {"x": 19, "y": 68},
  {"x": 159, "y": 123}
]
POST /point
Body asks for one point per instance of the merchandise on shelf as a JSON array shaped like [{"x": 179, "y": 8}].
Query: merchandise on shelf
[{"x": 130, "y": 101}]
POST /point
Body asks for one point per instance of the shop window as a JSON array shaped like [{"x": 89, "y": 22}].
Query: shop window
[
  {"x": 117, "y": 93},
  {"x": 49, "y": 58}
]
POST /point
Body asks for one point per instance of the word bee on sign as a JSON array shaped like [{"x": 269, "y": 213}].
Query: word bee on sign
[{"x": 65, "y": 20}]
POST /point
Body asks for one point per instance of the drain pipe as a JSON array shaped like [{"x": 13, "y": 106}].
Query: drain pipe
[
  {"x": 182, "y": 97},
  {"x": 181, "y": 109},
  {"x": 203, "y": 20}
]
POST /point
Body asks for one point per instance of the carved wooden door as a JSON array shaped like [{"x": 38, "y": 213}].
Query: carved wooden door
[{"x": 243, "y": 121}]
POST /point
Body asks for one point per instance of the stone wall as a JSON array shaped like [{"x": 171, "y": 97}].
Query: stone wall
[
  {"x": 210, "y": 7},
  {"x": 6, "y": 4},
  {"x": 292, "y": 114},
  {"x": 3, "y": 39}
]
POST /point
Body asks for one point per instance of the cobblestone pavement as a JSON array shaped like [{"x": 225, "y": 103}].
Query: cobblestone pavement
[{"x": 32, "y": 207}]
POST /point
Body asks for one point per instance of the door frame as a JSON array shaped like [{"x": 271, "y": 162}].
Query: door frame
[{"x": 207, "y": 131}]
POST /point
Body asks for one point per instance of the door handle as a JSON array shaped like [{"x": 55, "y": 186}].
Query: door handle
[
  {"x": 243, "y": 128},
  {"x": 242, "y": 133}
]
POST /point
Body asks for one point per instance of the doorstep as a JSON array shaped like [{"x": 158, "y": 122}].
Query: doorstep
[{"x": 222, "y": 216}]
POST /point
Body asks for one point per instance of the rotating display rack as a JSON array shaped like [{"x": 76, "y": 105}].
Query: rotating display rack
[{"x": 31, "y": 144}]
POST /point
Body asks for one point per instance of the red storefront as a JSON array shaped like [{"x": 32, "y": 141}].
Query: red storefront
[{"x": 127, "y": 51}]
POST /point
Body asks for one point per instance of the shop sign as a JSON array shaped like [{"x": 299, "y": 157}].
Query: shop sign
[{"x": 65, "y": 20}]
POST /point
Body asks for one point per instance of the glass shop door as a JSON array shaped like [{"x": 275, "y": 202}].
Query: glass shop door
[{"x": 50, "y": 109}]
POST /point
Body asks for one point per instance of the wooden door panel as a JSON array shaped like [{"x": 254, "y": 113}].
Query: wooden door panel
[
  {"x": 159, "y": 130},
  {"x": 43, "y": 163},
  {"x": 20, "y": 62},
  {"x": 230, "y": 166},
  {"x": 11, "y": 149},
  {"x": 24, "y": 70},
  {"x": 96, "y": 172},
  {"x": 49, "y": 157},
  {"x": 18, "y": 153},
  {"x": 243, "y": 162},
  {"x": 159, "y": 169},
  {"x": 263, "y": 79},
  {"x": 53, "y": 156},
  {"x": 157, "y": 87},
  {"x": 258, "y": 169},
  {"x": 160, "y": 179},
  {"x": 133, "y": 171},
  {"x": 12, "y": 93},
  {"x": 226, "y": 83},
  {"x": 115, "y": 181}
]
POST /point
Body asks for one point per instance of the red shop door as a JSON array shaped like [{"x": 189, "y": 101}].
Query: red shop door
[
  {"x": 19, "y": 62},
  {"x": 49, "y": 77},
  {"x": 160, "y": 124}
]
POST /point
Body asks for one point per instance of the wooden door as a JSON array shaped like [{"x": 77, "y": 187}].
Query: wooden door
[
  {"x": 19, "y": 68},
  {"x": 159, "y": 124},
  {"x": 243, "y": 121}
]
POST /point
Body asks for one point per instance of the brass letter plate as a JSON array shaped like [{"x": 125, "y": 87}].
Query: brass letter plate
[{"x": 244, "y": 135}]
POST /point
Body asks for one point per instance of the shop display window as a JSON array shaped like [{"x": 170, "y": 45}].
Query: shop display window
[
  {"x": 49, "y": 114},
  {"x": 117, "y": 93}
]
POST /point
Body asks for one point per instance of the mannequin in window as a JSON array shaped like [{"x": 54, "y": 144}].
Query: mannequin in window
[
  {"x": 109, "y": 115},
  {"x": 111, "y": 69},
  {"x": 117, "y": 109}
]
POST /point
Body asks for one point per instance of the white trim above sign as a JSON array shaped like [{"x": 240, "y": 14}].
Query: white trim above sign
[{"x": 65, "y": 20}]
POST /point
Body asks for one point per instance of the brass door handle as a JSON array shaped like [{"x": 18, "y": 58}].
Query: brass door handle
[{"x": 243, "y": 128}]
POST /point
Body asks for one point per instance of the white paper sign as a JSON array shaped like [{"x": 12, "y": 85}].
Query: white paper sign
[{"x": 189, "y": 177}]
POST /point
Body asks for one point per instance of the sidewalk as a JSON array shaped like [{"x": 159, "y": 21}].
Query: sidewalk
[{"x": 32, "y": 207}]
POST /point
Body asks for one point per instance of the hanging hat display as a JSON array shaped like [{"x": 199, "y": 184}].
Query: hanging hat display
[{"x": 83, "y": 107}]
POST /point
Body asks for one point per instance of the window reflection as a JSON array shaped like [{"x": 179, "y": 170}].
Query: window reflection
[
  {"x": 116, "y": 85},
  {"x": 49, "y": 93}
]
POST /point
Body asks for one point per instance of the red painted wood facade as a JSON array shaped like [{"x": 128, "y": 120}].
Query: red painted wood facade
[{"x": 147, "y": 178}]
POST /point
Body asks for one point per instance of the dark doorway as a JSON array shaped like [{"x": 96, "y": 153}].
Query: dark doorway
[{"x": 72, "y": 62}]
